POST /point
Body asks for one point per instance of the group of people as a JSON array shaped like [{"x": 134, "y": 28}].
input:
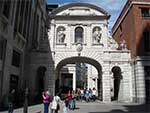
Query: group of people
[
  {"x": 53, "y": 103},
  {"x": 88, "y": 94},
  {"x": 50, "y": 102}
]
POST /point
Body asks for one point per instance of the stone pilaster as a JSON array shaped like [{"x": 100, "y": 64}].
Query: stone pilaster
[
  {"x": 106, "y": 83},
  {"x": 140, "y": 82}
]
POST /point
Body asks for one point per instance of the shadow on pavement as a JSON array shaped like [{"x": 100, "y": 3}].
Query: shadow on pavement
[
  {"x": 76, "y": 108},
  {"x": 130, "y": 108},
  {"x": 112, "y": 111},
  {"x": 138, "y": 108}
]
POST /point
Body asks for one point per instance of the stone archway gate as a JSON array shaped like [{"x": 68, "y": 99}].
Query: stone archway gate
[{"x": 65, "y": 20}]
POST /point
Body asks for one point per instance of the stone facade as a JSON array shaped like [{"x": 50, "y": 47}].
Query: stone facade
[
  {"x": 88, "y": 23},
  {"x": 22, "y": 34},
  {"x": 36, "y": 45}
]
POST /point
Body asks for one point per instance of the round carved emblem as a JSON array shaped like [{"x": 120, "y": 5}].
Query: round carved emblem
[{"x": 79, "y": 47}]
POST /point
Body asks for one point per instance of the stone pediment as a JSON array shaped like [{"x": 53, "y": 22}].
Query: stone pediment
[{"x": 79, "y": 9}]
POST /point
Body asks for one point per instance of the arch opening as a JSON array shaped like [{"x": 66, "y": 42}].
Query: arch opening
[
  {"x": 116, "y": 70},
  {"x": 60, "y": 74}
]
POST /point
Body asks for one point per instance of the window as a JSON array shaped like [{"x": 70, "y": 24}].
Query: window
[
  {"x": 17, "y": 16},
  {"x": 6, "y": 8},
  {"x": 2, "y": 48},
  {"x": 16, "y": 59},
  {"x": 25, "y": 19},
  {"x": 147, "y": 71},
  {"x": 21, "y": 17},
  {"x": 1, "y": 5},
  {"x": 145, "y": 12},
  {"x": 35, "y": 31},
  {"x": 13, "y": 82},
  {"x": 79, "y": 35},
  {"x": 147, "y": 42}
]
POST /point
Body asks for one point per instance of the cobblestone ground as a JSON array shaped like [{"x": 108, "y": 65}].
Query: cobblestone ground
[{"x": 94, "y": 107}]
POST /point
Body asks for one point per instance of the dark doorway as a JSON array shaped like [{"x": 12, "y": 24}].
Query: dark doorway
[
  {"x": 117, "y": 78},
  {"x": 147, "y": 83},
  {"x": 40, "y": 83}
]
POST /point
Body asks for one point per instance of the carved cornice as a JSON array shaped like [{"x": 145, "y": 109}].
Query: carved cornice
[{"x": 79, "y": 24}]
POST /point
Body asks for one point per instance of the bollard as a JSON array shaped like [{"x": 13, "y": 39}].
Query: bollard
[{"x": 26, "y": 101}]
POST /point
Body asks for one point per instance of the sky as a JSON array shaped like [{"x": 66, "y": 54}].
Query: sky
[{"x": 113, "y": 7}]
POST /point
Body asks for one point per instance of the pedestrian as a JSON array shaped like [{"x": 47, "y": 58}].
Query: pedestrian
[
  {"x": 65, "y": 108},
  {"x": 46, "y": 101},
  {"x": 87, "y": 95},
  {"x": 90, "y": 94},
  {"x": 55, "y": 105},
  {"x": 94, "y": 94},
  {"x": 82, "y": 94},
  {"x": 69, "y": 99},
  {"x": 73, "y": 101},
  {"x": 11, "y": 100}
]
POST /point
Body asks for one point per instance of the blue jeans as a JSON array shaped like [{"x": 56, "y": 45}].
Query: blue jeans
[
  {"x": 46, "y": 105},
  {"x": 72, "y": 104}
]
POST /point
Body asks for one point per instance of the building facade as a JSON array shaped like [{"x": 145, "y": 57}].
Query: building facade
[
  {"x": 22, "y": 33},
  {"x": 133, "y": 28},
  {"x": 40, "y": 47},
  {"x": 79, "y": 34}
]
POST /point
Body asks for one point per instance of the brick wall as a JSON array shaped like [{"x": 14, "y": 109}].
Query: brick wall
[{"x": 131, "y": 28}]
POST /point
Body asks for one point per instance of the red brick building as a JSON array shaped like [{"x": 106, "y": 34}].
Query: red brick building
[{"x": 133, "y": 27}]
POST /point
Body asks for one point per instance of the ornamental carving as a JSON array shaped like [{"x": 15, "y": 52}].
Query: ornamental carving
[{"x": 97, "y": 33}]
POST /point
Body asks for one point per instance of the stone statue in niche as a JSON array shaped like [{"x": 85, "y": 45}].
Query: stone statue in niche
[
  {"x": 97, "y": 33},
  {"x": 61, "y": 35}
]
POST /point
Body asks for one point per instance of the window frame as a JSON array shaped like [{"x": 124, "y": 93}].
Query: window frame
[
  {"x": 147, "y": 43},
  {"x": 16, "y": 59},
  {"x": 80, "y": 34},
  {"x": 145, "y": 12}
]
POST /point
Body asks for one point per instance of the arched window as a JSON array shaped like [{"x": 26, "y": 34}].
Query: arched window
[{"x": 79, "y": 35}]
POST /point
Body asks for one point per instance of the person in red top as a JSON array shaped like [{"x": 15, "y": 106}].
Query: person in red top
[
  {"x": 69, "y": 95},
  {"x": 69, "y": 98},
  {"x": 46, "y": 101}
]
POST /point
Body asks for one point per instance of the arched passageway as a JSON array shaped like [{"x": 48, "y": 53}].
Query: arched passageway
[
  {"x": 75, "y": 60},
  {"x": 116, "y": 82}
]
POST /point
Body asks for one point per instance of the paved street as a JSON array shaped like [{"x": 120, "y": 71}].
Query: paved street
[{"x": 94, "y": 107}]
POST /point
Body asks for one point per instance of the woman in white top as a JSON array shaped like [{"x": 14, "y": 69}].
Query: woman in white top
[{"x": 55, "y": 104}]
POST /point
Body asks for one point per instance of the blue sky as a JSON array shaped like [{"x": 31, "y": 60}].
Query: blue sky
[{"x": 113, "y": 7}]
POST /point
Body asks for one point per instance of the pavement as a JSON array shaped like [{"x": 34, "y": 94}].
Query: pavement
[{"x": 94, "y": 107}]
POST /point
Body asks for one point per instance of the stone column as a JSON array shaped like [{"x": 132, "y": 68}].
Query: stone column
[{"x": 74, "y": 81}]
